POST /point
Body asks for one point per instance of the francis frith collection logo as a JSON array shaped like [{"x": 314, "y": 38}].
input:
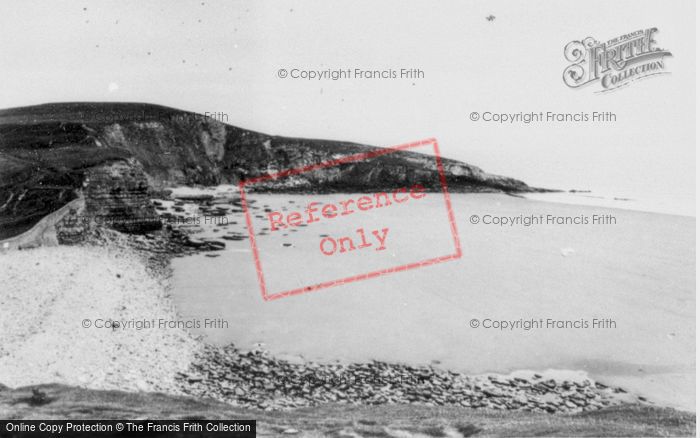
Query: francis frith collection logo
[{"x": 614, "y": 63}]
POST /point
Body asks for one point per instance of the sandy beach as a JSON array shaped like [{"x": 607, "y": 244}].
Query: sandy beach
[{"x": 638, "y": 273}]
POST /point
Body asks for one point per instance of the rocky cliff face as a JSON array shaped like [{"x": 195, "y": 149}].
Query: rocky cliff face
[
  {"x": 115, "y": 152},
  {"x": 117, "y": 195}
]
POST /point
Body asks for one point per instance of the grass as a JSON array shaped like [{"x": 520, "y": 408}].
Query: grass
[{"x": 337, "y": 420}]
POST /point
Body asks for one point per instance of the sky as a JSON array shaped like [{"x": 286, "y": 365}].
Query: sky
[{"x": 224, "y": 57}]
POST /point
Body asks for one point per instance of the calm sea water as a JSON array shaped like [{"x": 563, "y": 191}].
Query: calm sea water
[
  {"x": 676, "y": 204},
  {"x": 639, "y": 272}
]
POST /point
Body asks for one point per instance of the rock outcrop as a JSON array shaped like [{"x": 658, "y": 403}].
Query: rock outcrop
[
  {"x": 48, "y": 153},
  {"x": 117, "y": 195}
]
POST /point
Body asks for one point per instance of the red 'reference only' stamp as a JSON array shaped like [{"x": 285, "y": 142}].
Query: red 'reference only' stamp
[{"x": 303, "y": 243}]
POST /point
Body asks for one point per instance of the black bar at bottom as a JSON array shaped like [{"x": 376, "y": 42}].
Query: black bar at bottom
[{"x": 128, "y": 428}]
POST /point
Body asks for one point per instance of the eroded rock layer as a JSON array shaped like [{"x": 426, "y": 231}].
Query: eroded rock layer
[{"x": 48, "y": 151}]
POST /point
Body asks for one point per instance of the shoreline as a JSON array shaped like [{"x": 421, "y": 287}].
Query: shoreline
[
  {"x": 233, "y": 376},
  {"x": 596, "y": 200},
  {"x": 242, "y": 379},
  {"x": 230, "y": 375},
  {"x": 577, "y": 198},
  {"x": 613, "y": 259}
]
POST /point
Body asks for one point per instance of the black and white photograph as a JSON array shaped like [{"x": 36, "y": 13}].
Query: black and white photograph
[{"x": 332, "y": 218}]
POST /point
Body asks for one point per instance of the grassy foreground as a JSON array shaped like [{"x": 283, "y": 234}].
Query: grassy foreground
[{"x": 344, "y": 420}]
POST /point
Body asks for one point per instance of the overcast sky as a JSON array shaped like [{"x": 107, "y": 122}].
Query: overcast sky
[{"x": 224, "y": 57}]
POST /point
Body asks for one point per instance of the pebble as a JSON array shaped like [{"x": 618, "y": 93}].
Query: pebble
[
  {"x": 257, "y": 379},
  {"x": 263, "y": 381}
]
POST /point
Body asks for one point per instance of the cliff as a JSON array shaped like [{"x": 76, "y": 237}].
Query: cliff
[{"x": 115, "y": 153}]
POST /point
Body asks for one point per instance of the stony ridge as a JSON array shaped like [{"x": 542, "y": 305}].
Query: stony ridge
[{"x": 257, "y": 379}]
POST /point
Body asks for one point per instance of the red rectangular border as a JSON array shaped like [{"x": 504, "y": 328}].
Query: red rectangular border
[{"x": 343, "y": 160}]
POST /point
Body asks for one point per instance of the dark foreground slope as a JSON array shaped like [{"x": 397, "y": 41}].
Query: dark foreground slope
[
  {"x": 48, "y": 151},
  {"x": 336, "y": 420}
]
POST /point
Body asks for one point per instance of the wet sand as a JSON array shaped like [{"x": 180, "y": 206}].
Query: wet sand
[{"x": 639, "y": 273}]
